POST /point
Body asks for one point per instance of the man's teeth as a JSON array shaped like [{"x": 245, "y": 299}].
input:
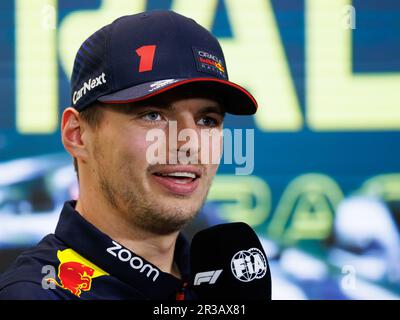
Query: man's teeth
[{"x": 180, "y": 174}]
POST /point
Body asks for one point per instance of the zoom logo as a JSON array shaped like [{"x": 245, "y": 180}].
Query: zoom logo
[
  {"x": 135, "y": 262},
  {"x": 248, "y": 265}
]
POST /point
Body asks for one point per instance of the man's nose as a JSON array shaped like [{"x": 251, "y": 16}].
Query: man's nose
[{"x": 187, "y": 140}]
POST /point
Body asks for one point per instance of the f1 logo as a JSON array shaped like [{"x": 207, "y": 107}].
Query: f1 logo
[{"x": 209, "y": 277}]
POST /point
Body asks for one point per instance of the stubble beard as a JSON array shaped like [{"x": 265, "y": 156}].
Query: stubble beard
[{"x": 139, "y": 208}]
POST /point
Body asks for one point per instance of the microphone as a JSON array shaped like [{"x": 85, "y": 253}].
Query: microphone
[{"x": 229, "y": 263}]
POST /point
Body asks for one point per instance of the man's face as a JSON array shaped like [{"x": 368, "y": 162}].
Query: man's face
[{"x": 160, "y": 198}]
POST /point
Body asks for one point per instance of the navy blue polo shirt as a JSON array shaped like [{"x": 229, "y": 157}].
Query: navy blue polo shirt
[{"x": 78, "y": 261}]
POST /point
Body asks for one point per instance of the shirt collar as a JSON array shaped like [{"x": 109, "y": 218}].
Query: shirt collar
[{"x": 119, "y": 261}]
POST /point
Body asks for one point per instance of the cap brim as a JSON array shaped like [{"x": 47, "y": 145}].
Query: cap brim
[{"x": 237, "y": 100}]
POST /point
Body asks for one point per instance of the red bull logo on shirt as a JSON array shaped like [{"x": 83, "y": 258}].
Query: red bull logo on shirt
[{"x": 75, "y": 272}]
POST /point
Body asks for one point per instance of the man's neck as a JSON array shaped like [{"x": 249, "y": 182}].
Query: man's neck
[{"x": 157, "y": 249}]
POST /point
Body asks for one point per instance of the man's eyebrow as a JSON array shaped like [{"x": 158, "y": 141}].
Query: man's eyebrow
[
  {"x": 167, "y": 106},
  {"x": 150, "y": 104},
  {"x": 213, "y": 109}
]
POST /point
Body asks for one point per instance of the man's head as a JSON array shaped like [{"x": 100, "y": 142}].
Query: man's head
[
  {"x": 141, "y": 78},
  {"x": 111, "y": 147}
]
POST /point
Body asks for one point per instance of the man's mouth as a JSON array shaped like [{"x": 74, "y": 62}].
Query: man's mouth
[
  {"x": 182, "y": 180},
  {"x": 179, "y": 177}
]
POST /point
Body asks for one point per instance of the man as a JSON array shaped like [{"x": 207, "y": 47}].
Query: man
[{"x": 144, "y": 74}]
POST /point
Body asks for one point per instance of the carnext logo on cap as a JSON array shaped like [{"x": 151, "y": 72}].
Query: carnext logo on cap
[
  {"x": 87, "y": 86},
  {"x": 209, "y": 62}
]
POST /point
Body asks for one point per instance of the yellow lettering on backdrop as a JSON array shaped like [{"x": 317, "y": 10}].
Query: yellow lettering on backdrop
[
  {"x": 243, "y": 198},
  {"x": 77, "y": 26},
  {"x": 36, "y": 66},
  {"x": 338, "y": 99},
  {"x": 306, "y": 208}
]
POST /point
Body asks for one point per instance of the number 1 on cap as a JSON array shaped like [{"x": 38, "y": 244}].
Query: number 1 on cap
[{"x": 146, "y": 54}]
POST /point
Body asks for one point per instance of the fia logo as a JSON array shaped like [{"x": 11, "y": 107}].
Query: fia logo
[{"x": 248, "y": 265}]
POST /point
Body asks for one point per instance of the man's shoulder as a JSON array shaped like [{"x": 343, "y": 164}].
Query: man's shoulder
[
  {"x": 24, "y": 278},
  {"x": 26, "y": 290}
]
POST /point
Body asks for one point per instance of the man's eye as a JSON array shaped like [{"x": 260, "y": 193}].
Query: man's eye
[
  {"x": 152, "y": 116},
  {"x": 208, "y": 122}
]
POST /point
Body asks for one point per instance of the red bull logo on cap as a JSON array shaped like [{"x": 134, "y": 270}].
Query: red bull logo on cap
[{"x": 75, "y": 272}]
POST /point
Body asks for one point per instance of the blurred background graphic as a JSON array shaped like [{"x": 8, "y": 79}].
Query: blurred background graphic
[{"x": 324, "y": 196}]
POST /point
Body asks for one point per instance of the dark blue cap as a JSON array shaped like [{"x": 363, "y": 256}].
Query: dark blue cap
[{"x": 141, "y": 55}]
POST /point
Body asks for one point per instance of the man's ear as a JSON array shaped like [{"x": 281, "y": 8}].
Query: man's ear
[{"x": 72, "y": 134}]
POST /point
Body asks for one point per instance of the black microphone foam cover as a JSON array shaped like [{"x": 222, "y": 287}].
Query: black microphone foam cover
[{"x": 228, "y": 262}]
